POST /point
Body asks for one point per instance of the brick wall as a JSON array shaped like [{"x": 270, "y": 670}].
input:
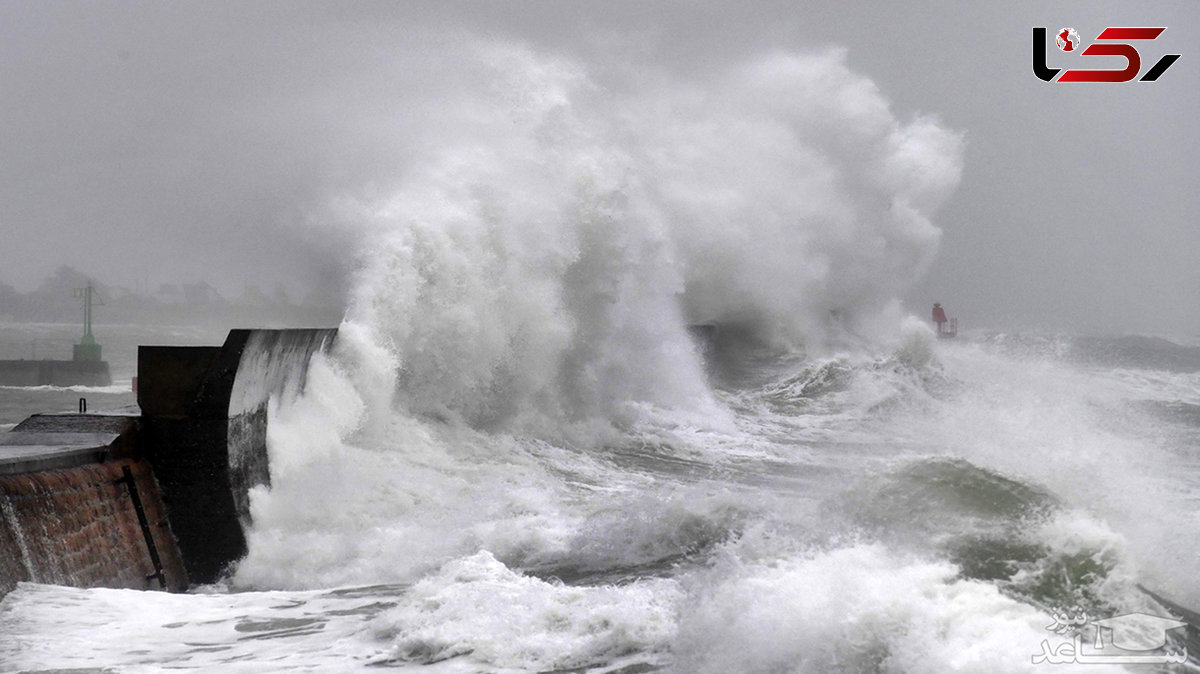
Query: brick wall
[{"x": 78, "y": 526}]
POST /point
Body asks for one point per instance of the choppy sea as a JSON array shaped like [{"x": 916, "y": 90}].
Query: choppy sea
[{"x": 934, "y": 508}]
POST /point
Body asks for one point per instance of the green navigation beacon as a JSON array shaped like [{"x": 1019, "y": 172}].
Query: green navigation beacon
[{"x": 87, "y": 349}]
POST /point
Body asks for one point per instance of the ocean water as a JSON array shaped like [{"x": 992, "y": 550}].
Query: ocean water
[
  {"x": 518, "y": 457},
  {"x": 924, "y": 511}
]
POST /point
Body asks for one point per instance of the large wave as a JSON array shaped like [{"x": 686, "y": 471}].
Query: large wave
[
  {"x": 524, "y": 297},
  {"x": 541, "y": 262}
]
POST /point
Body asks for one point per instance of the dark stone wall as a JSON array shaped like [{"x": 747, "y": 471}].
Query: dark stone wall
[
  {"x": 204, "y": 420},
  {"x": 192, "y": 468}
]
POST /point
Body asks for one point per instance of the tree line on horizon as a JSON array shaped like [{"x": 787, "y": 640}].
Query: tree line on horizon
[{"x": 55, "y": 301}]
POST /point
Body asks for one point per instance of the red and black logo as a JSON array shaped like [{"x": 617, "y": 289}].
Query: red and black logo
[{"x": 1110, "y": 42}]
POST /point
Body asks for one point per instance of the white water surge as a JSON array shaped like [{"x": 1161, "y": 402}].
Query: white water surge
[{"x": 525, "y": 295}]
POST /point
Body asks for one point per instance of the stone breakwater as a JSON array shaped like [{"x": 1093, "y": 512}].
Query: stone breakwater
[{"x": 154, "y": 497}]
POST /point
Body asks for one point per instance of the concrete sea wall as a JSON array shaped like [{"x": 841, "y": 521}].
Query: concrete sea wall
[
  {"x": 204, "y": 419},
  {"x": 157, "y": 500}
]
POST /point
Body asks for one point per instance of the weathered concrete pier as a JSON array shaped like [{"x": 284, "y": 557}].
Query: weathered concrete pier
[{"x": 157, "y": 498}]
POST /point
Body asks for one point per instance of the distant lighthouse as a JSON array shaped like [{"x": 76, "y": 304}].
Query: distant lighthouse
[{"x": 946, "y": 327}]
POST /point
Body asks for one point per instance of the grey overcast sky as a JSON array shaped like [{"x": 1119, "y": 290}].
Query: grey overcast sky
[{"x": 177, "y": 141}]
